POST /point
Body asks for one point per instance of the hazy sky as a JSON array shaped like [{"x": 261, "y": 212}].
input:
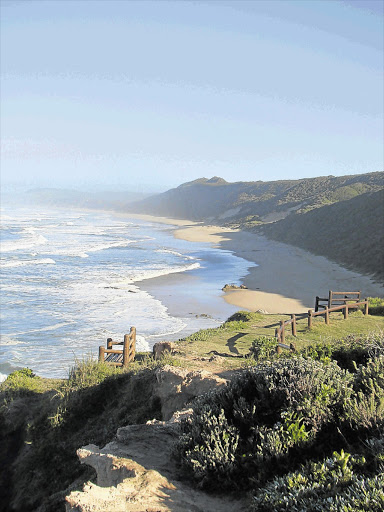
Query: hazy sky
[{"x": 153, "y": 94}]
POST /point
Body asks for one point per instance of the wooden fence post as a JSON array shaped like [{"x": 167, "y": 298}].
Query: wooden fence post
[
  {"x": 132, "y": 345},
  {"x": 366, "y": 307},
  {"x": 326, "y": 315},
  {"x": 294, "y": 330},
  {"x": 282, "y": 330},
  {"x": 109, "y": 343},
  {"x": 346, "y": 312},
  {"x": 310, "y": 319},
  {"x": 126, "y": 350},
  {"x": 101, "y": 354}
]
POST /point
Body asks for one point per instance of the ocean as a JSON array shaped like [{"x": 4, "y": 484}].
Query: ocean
[{"x": 72, "y": 278}]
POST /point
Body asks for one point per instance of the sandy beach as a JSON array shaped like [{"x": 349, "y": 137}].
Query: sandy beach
[{"x": 287, "y": 279}]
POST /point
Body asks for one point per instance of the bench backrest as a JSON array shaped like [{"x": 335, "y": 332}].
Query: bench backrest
[
  {"x": 341, "y": 298},
  {"x": 337, "y": 299}
]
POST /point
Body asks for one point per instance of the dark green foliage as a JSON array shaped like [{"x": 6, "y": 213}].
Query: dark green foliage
[
  {"x": 243, "y": 316},
  {"x": 266, "y": 412},
  {"x": 272, "y": 418},
  {"x": 349, "y": 352},
  {"x": 366, "y": 407},
  {"x": 263, "y": 347},
  {"x": 340, "y": 483},
  {"x": 376, "y": 306}
]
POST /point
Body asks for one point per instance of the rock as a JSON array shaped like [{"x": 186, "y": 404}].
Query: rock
[
  {"x": 178, "y": 386},
  {"x": 163, "y": 347},
  {"x": 137, "y": 473},
  {"x": 228, "y": 287}
]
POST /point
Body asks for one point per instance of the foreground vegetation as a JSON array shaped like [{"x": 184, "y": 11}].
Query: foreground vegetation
[{"x": 297, "y": 431}]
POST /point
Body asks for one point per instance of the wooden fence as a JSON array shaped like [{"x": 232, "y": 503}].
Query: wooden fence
[
  {"x": 280, "y": 331},
  {"x": 119, "y": 357}
]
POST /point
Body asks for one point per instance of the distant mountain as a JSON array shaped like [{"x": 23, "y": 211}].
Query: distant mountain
[{"x": 338, "y": 217}]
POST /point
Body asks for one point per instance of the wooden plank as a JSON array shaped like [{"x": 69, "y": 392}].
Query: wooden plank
[
  {"x": 347, "y": 293},
  {"x": 114, "y": 358}
]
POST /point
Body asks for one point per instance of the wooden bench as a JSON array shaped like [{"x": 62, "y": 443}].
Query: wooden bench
[
  {"x": 337, "y": 299},
  {"x": 119, "y": 357}
]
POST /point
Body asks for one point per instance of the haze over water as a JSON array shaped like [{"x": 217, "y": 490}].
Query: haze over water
[{"x": 70, "y": 279}]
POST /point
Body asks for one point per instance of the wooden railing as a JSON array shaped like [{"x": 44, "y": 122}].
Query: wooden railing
[
  {"x": 344, "y": 307},
  {"x": 280, "y": 331},
  {"x": 119, "y": 357}
]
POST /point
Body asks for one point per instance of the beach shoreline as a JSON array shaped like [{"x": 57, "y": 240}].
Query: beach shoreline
[{"x": 285, "y": 278}]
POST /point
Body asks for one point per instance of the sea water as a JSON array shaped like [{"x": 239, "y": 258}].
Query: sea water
[{"x": 71, "y": 278}]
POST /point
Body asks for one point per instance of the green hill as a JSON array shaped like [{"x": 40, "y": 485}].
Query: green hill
[{"x": 257, "y": 201}]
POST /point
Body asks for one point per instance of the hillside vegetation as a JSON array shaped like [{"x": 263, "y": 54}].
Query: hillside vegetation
[
  {"x": 338, "y": 217},
  {"x": 216, "y": 198},
  {"x": 353, "y": 228}
]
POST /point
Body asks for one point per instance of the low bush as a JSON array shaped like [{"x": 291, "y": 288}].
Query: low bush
[
  {"x": 351, "y": 351},
  {"x": 263, "y": 347},
  {"x": 272, "y": 418},
  {"x": 244, "y": 316},
  {"x": 267, "y": 416},
  {"x": 375, "y": 306},
  {"x": 339, "y": 483}
]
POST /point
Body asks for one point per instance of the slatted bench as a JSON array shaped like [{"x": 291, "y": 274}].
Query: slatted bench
[
  {"x": 337, "y": 299},
  {"x": 119, "y": 357}
]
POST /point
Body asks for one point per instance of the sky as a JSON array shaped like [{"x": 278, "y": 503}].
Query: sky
[{"x": 146, "y": 95}]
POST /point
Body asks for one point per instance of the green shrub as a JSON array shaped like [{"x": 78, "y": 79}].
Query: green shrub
[
  {"x": 265, "y": 413},
  {"x": 336, "y": 484},
  {"x": 21, "y": 382},
  {"x": 244, "y": 316},
  {"x": 202, "y": 335},
  {"x": 366, "y": 408},
  {"x": 375, "y": 306},
  {"x": 235, "y": 325},
  {"x": 348, "y": 352},
  {"x": 263, "y": 347}
]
